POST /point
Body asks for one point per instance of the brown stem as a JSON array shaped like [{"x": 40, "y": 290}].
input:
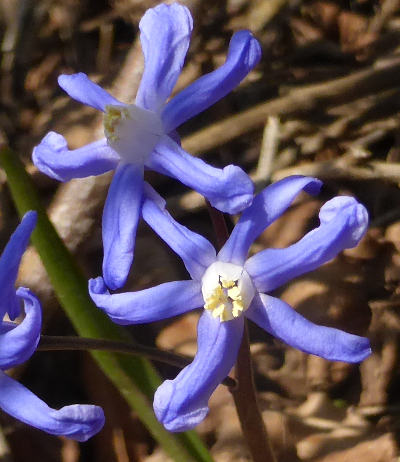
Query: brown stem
[
  {"x": 246, "y": 403},
  {"x": 219, "y": 225},
  {"x": 244, "y": 393}
]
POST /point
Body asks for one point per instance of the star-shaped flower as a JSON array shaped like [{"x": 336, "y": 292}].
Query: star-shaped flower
[
  {"x": 230, "y": 286},
  {"x": 19, "y": 341},
  {"x": 142, "y": 135}
]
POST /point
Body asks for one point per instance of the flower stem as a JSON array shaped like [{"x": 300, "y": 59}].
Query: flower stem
[
  {"x": 219, "y": 225},
  {"x": 244, "y": 393},
  {"x": 74, "y": 343},
  {"x": 246, "y": 403}
]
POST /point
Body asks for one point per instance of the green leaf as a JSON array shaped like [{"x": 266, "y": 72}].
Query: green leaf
[{"x": 135, "y": 378}]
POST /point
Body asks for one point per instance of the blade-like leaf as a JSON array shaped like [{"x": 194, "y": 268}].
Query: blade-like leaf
[{"x": 135, "y": 378}]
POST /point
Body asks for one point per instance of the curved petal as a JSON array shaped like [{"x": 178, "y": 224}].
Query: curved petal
[
  {"x": 79, "y": 421},
  {"x": 343, "y": 223},
  {"x": 244, "y": 53},
  {"x": 267, "y": 206},
  {"x": 283, "y": 322},
  {"x": 120, "y": 220},
  {"x": 159, "y": 302},
  {"x": 53, "y": 158},
  {"x": 182, "y": 403},
  {"x": 229, "y": 189},
  {"x": 196, "y": 252},
  {"x": 165, "y": 37},
  {"x": 82, "y": 89},
  {"x": 9, "y": 265},
  {"x": 19, "y": 343}
]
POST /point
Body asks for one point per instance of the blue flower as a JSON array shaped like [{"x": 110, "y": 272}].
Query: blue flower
[
  {"x": 142, "y": 135},
  {"x": 19, "y": 341},
  {"x": 229, "y": 286}
]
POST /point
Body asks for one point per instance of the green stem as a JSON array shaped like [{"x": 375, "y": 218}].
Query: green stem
[{"x": 135, "y": 378}]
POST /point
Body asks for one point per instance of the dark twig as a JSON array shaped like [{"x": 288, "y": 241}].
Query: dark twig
[{"x": 65, "y": 343}]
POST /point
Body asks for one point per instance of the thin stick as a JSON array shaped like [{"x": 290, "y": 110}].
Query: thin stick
[
  {"x": 66, "y": 343},
  {"x": 244, "y": 393},
  {"x": 269, "y": 148}
]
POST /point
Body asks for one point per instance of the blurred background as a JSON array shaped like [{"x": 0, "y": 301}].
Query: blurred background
[{"x": 324, "y": 101}]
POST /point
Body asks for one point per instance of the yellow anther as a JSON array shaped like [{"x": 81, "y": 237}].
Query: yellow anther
[
  {"x": 227, "y": 290},
  {"x": 225, "y": 301},
  {"x": 234, "y": 293},
  {"x": 215, "y": 300},
  {"x": 237, "y": 308},
  {"x": 112, "y": 117},
  {"x": 219, "y": 311},
  {"x": 227, "y": 284}
]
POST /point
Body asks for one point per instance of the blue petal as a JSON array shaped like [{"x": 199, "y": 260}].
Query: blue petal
[
  {"x": 196, "y": 252},
  {"x": 343, "y": 223},
  {"x": 267, "y": 206},
  {"x": 120, "y": 220},
  {"x": 19, "y": 343},
  {"x": 79, "y": 422},
  {"x": 9, "y": 265},
  {"x": 229, "y": 189},
  {"x": 165, "y": 37},
  {"x": 82, "y": 89},
  {"x": 160, "y": 302},
  {"x": 53, "y": 158},
  {"x": 244, "y": 53},
  {"x": 283, "y": 322},
  {"x": 182, "y": 403}
]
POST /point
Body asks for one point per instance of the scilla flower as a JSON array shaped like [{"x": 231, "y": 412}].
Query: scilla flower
[
  {"x": 19, "y": 341},
  {"x": 229, "y": 287},
  {"x": 142, "y": 135}
]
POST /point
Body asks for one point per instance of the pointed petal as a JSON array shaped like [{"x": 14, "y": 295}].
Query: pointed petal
[
  {"x": 244, "y": 53},
  {"x": 267, "y": 206},
  {"x": 283, "y": 322},
  {"x": 82, "y": 89},
  {"x": 78, "y": 422},
  {"x": 196, "y": 252},
  {"x": 19, "y": 343},
  {"x": 343, "y": 223},
  {"x": 159, "y": 302},
  {"x": 120, "y": 220},
  {"x": 53, "y": 158},
  {"x": 9, "y": 265},
  {"x": 229, "y": 189},
  {"x": 182, "y": 403},
  {"x": 165, "y": 37}
]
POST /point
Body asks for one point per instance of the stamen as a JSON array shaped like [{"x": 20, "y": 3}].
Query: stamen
[
  {"x": 227, "y": 290},
  {"x": 132, "y": 132},
  {"x": 112, "y": 117}
]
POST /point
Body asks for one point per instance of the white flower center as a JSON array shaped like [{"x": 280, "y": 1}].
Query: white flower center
[
  {"x": 132, "y": 132},
  {"x": 227, "y": 290}
]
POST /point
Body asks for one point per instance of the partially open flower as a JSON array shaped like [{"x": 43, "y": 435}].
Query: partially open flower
[{"x": 19, "y": 341}]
